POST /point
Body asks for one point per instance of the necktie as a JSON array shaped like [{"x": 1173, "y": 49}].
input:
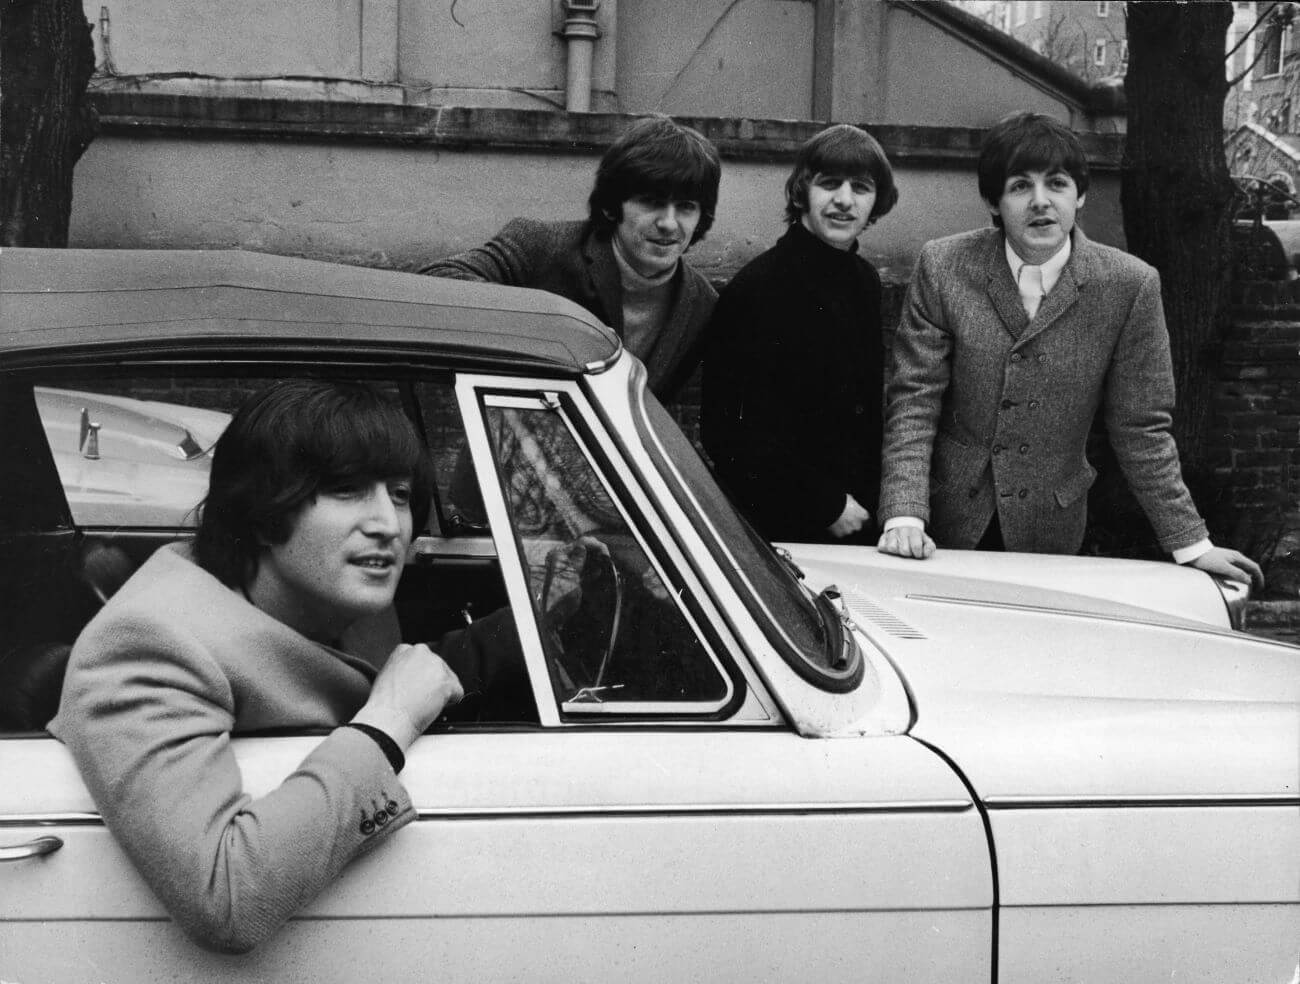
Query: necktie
[{"x": 1031, "y": 288}]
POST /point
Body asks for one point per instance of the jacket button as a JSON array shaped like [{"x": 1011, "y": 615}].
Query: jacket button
[
  {"x": 1042, "y": 357},
  {"x": 1024, "y": 449},
  {"x": 1033, "y": 404},
  {"x": 972, "y": 492},
  {"x": 1015, "y": 356},
  {"x": 998, "y": 449},
  {"x": 859, "y": 409},
  {"x": 1024, "y": 493},
  {"x": 1007, "y": 404}
]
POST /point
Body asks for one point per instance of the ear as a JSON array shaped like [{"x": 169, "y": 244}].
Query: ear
[{"x": 1082, "y": 198}]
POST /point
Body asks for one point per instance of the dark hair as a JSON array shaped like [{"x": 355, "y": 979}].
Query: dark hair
[
  {"x": 1028, "y": 142},
  {"x": 840, "y": 150},
  {"x": 283, "y": 446},
  {"x": 656, "y": 158}
]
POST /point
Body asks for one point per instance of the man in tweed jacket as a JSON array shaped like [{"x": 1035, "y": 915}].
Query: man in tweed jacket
[
  {"x": 1011, "y": 340},
  {"x": 654, "y": 197}
]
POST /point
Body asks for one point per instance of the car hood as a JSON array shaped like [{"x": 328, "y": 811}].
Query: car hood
[{"x": 1046, "y": 694}]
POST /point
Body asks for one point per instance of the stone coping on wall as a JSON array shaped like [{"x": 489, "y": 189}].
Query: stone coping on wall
[{"x": 130, "y": 112}]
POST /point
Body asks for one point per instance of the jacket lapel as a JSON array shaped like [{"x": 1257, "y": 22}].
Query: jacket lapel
[
  {"x": 1003, "y": 291},
  {"x": 605, "y": 284}
]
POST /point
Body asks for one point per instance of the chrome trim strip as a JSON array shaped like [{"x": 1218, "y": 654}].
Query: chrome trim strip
[
  {"x": 1215, "y": 801},
  {"x": 1154, "y": 621},
  {"x": 687, "y": 809},
  {"x": 49, "y": 819}
]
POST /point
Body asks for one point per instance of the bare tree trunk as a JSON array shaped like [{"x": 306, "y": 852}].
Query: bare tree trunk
[
  {"x": 46, "y": 121},
  {"x": 1176, "y": 192}
]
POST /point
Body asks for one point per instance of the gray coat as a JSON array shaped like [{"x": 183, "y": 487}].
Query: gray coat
[
  {"x": 988, "y": 410},
  {"x": 159, "y": 680},
  {"x": 570, "y": 259}
]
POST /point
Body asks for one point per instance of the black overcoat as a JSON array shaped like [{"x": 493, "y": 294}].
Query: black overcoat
[{"x": 791, "y": 413}]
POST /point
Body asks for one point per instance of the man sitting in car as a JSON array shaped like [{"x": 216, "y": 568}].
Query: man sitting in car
[
  {"x": 278, "y": 616},
  {"x": 655, "y": 194}
]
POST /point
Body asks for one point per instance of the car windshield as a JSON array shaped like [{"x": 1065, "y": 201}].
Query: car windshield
[{"x": 802, "y": 626}]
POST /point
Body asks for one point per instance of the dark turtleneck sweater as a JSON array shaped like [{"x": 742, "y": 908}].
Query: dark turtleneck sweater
[{"x": 793, "y": 374}]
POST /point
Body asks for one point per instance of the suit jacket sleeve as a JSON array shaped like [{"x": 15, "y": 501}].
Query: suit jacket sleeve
[
  {"x": 148, "y": 722},
  {"x": 922, "y": 363},
  {"x": 507, "y": 258},
  {"x": 1138, "y": 406}
]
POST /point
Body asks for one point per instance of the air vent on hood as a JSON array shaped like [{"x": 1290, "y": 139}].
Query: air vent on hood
[{"x": 869, "y": 611}]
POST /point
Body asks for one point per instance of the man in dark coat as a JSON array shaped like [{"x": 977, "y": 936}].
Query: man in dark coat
[
  {"x": 793, "y": 370},
  {"x": 655, "y": 194}
]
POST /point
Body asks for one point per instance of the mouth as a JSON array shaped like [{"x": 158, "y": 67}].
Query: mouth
[
  {"x": 1041, "y": 223},
  {"x": 841, "y": 217},
  {"x": 376, "y": 562},
  {"x": 666, "y": 243}
]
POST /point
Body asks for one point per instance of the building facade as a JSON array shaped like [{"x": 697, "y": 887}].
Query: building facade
[{"x": 390, "y": 132}]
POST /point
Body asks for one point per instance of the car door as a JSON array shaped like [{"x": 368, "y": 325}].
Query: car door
[{"x": 659, "y": 819}]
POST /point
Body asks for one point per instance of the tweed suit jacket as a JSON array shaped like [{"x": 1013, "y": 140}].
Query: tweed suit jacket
[
  {"x": 157, "y": 682},
  {"x": 570, "y": 259},
  {"x": 989, "y": 411}
]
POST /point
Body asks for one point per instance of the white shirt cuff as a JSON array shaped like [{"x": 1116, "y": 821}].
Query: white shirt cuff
[
  {"x": 1185, "y": 555},
  {"x": 912, "y": 521}
]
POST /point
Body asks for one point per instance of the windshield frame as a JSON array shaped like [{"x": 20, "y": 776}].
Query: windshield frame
[{"x": 695, "y": 489}]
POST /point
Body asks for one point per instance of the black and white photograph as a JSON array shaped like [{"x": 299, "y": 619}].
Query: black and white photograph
[{"x": 650, "y": 491}]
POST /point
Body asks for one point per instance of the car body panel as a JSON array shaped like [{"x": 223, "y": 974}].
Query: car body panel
[{"x": 512, "y": 838}]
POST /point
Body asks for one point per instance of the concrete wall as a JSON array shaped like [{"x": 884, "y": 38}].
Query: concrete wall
[
  {"x": 894, "y": 62},
  {"x": 717, "y": 57},
  {"x": 421, "y": 188}
]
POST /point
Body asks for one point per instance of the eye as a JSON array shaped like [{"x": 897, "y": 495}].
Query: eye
[
  {"x": 1060, "y": 182},
  {"x": 827, "y": 182},
  {"x": 863, "y": 187},
  {"x": 344, "y": 489},
  {"x": 400, "y": 492},
  {"x": 688, "y": 206},
  {"x": 1017, "y": 185}
]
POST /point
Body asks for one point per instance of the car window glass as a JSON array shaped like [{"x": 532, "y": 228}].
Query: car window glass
[
  {"x": 131, "y": 451},
  {"x": 615, "y": 636}
]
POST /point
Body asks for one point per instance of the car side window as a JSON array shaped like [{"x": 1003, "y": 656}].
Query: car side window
[{"x": 617, "y": 638}]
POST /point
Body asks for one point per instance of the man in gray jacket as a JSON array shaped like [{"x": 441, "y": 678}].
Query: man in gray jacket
[
  {"x": 654, "y": 197},
  {"x": 1011, "y": 340}
]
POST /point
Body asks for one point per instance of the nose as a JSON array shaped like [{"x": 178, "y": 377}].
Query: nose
[
  {"x": 667, "y": 218},
  {"x": 381, "y": 519},
  {"x": 843, "y": 196},
  {"x": 1039, "y": 197}
]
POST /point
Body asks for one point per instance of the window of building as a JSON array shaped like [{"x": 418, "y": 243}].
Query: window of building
[
  {"x": 1038, "y": 9},
  {"x": 1021, "y": 11},
  {"x": 1099, "y": 53},
  {"x": 1270, "y": 62},
  {"x": 1103, "y": 8},
  {"x": 1123, "y": 53}
]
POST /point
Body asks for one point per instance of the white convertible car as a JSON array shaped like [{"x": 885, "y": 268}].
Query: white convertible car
[{"x": 730, "y": 763}]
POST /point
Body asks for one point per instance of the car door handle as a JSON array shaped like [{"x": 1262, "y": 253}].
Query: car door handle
[{"x": 32, "y": 849}]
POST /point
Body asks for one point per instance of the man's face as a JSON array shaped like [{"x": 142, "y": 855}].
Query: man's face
[
  {"x": 839, "y": 208},
  {"x": 342, "y": 559},
  {"x": 655, "y": 232},
  {"x": 1037, "y": 210}
]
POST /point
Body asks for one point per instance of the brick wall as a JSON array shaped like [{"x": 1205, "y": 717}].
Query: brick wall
[{"x": 1256, "y": 438}]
